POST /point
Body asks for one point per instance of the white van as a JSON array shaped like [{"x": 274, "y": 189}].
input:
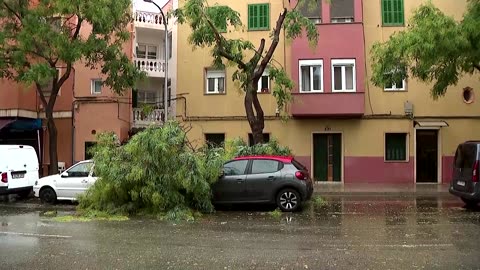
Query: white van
[{"x": 18, "y": 169}]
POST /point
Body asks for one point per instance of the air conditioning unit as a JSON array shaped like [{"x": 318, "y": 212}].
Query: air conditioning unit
[{"x": 408, "y": 108}]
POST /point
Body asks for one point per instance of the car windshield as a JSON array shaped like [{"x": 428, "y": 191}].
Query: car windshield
[{"x": 465, "y": 156}]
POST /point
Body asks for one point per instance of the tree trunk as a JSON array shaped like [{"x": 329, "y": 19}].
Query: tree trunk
[
  {"x": 52, "y": 142},
  {"x": 256, "y": 122}
]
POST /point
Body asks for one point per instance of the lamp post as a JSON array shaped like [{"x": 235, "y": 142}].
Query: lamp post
[{"x": 165, "y": 86}]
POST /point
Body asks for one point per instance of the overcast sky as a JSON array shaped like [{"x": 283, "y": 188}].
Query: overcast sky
[{"x": 141, "y": 5}]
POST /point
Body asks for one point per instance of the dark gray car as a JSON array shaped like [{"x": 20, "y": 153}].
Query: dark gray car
[
  {"x": 465, "y": 182},
  {"x": 264, "y": 179}
]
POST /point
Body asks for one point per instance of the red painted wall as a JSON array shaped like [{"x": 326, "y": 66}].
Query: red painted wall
[
  {"x": 376, "y": 170},
  {"x": 447, "y": 169},
  {"x": 336, "y": 41}
]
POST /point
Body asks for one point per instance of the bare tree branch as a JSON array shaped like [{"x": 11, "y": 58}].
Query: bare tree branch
[{"x": 273, "y": 46}]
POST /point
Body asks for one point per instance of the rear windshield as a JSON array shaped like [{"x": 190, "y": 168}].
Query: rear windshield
[
  {"x": 298, "y": 165},
  {"x": 465, "y": 156}
]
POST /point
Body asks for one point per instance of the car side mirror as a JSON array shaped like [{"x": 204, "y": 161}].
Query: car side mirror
[{"x": 64, "y": 174}]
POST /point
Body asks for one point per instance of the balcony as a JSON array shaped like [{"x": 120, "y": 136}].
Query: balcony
[
  {"x": 142, "y": 120},
  {"x": 328, "y": 104},
  {"x": 153, "y": 67},
  {"x": 145, "y": 19}
]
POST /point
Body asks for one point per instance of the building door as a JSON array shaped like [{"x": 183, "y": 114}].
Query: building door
[
  {"x": 427, "y": 156},
  {"x": 327, "y": 157}
]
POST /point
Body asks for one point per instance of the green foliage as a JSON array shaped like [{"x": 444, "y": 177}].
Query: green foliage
[
  {"x": 154, "y": 173},
  {"x": 238, "y": 148},
  {"x": 277, "y": 213},
  {"x": 319, "y": 201},
  {"x": 90, "y": 216},
  {"x": 434, "y": 48},
  {"x": 208, "y": 24},
  {"x": 37, "y": 39}
]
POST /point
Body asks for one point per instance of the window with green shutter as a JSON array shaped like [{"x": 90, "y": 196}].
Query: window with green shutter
[
  {"x": 393, "y": 12},
  {"x": 396, "y": 146},
  {"x": 259, "y": 17}
]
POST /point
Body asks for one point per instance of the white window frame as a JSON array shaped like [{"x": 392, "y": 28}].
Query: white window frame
[
  {"x": 265, "y": 73},
  {"x": 215, "y": 74},
  {"x": 395, "y": 88},
  {"x": 343, "y": 63},
  {"x": 310, "y": 63},
  {"x": 92, "y": 86},
  {"x": 147, "y": 46},
  {"x": 145, "y": 99}
]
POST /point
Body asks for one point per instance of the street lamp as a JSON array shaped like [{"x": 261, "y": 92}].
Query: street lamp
[{"x": 165, "y": 86}]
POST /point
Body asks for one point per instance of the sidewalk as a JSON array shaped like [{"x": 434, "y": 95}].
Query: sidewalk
[{"x": 381, "y": 189}]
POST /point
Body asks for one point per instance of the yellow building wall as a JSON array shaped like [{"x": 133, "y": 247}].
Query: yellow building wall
[
  {"x": 192, "y": 64},
  {"x": 418, "y": 93}
]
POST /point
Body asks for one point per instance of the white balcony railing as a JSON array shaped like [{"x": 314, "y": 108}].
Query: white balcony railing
[
  {"x": 140, "y": 119},
  {"x": 148, "y": 20},
  {"x": 153, "y": 67}
]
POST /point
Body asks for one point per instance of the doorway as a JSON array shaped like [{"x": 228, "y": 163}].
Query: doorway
[
  {"x": 327, "y": 157},
  {"x": 427, "y": 156}
]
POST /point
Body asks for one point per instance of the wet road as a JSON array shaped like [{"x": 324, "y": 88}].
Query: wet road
[{"x": 351, "y": 232}]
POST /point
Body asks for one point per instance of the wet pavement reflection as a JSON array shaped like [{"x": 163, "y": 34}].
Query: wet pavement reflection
[{"x": 348, "y": 232}]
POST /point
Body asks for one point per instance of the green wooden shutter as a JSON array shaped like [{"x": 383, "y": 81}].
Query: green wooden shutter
[
  {"x": 251, "y": 17},
  {"x": 259, "y": 17},
  {"x": 393, "y": 12},
  {"x": 396, "y": 146},
  {"x": 337, "y": 157}
]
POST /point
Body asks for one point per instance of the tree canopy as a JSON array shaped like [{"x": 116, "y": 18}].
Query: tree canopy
[
  {"x": 38, "y": 37},
  {"x": 209, "y": 25},
  {"x": 434, "y": 48}
]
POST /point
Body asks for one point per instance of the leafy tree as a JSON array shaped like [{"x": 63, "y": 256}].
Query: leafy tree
[
  {"x": 208, "y": 24},
  {"x": 37, "y": 37},
  {"x": 434, "y": 48}
]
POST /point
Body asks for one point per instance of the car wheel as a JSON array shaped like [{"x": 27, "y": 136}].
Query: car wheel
[
  {"x": 469, "y": 203},
  {"x": 48, "y": 195},
  {"x": 288, "y": 200}
]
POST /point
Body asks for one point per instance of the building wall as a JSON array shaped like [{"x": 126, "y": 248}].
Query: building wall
[{"x": 192, "y": 63}]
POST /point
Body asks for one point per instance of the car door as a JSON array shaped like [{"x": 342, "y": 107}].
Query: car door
[
  {"x": 263, "y": 176},
  {"x": 73, "y": 181},
  {"x": 89, "y": 180},
  {"x": 231, "y": 186}
]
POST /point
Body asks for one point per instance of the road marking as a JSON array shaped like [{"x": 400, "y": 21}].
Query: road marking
[
  {"x": 37, "y": 234},
  {"x": 390, "y": 245}
]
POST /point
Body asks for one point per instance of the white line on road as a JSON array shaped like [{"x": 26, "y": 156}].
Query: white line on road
[{"x": 36, "y": 234}]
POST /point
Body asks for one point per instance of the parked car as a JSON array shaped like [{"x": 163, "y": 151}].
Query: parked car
[
  {"x": 66, "y": 185},
  {"x": 264, "y": 179},
  {"x": 18, "y": 169},
  {"x": 465, "y": 182}
]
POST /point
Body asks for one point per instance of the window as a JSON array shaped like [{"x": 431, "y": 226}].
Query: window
[
  {"x": 259, "y": 17},
  {"x": 266, "y": 138},
  {"x": 311, "y": 75},
  {"x": 147, "y": 51},
  {"x": 342, "y": 11},
  {"x": 215, "y": 139},
  {"x": 264, "y": 166},
  {"x": 343, "y": 75},
  {"x": 395, "y": 85},
  {"x": 89, "y": 147},
  {"x": 80, "y": 170},
  {"x": 392, "y": 12},
  {"x": 465, "y": 156},
  {"x": 215, "y": 81},
  {"x": 396, "y": 146},
  {"x": 235, "y": 167},
  {"x": 264, "y": 82},
  {"x": 146, "y": 97},
  {"x": 312, "y": 10},
  {"x": 96, "y": 86},
  {"x": 170, "y": 45}
]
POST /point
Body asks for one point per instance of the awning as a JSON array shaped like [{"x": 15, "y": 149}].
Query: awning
[
  {"x": 432, "y": 124},
  {"x": 26, "y": 124},
  {"x": 5, "y": 122}
]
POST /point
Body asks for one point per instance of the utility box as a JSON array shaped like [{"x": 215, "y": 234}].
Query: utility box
[{"x": 408, "y": 108}]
